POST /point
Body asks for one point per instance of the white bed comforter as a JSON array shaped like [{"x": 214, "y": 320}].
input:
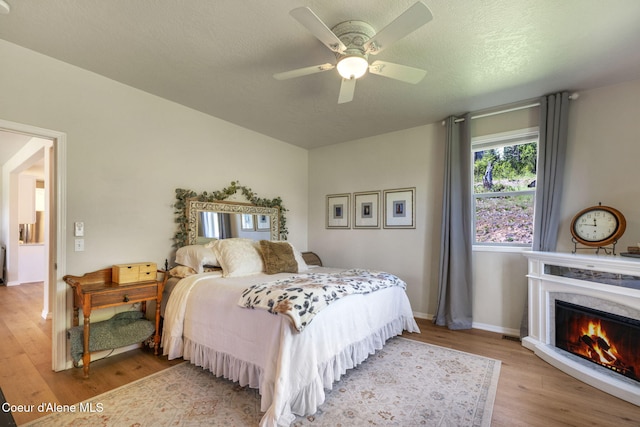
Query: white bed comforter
[{"x": 204, "y": 324}]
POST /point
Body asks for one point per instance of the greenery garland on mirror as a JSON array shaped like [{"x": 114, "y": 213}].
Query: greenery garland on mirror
[{"x": 182, "y": 196}]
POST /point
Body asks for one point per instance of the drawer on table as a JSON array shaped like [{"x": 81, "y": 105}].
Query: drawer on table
[
  {"x": 135, "y": 272},
  {"x": 147, "y": 272},
  {"x": 124, "y": 295},
  {"x": 125, "y": 273}
]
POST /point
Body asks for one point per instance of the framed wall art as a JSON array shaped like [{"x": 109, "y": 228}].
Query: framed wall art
[
  {"x": 247, "y": 222},
  {"x": 399, "y": 208},
  {"x": 338, "y": 210},
  {"x": 366, "y": 209},
  {"x": 263, "y": 222}
]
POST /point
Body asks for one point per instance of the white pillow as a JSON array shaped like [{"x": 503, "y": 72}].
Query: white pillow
[
  {"x": 302, "y": 265},
  {"x": 196, "y": 257},
  {"x": 239, "y": 257}
]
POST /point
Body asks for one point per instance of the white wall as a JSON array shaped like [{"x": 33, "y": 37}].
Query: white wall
[
  {"x": 127, "y": 151},
  {"x": 409, "y": 158},
  {"x": 602, "y": 157}
]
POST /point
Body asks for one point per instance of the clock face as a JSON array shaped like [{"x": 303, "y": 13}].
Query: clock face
[{"x": 596, "y": 225}]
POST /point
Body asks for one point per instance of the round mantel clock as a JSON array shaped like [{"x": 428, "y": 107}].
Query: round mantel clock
[{"x": 598, "y": 226}]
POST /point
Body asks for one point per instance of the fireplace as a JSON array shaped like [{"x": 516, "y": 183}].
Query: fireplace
[
  {"x": 584, "y": 318},
  {"x": 606, "y": 339}
]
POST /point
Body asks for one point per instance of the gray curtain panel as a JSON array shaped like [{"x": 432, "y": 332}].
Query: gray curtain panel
[
  {"x": 455, "y": 274},
  {"x": 552, "y": 149}
]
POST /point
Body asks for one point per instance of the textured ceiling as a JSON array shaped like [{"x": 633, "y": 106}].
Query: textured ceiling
[{"x": 219, "y": 56}]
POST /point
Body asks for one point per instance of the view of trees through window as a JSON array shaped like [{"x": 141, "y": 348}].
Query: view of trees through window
[{"x": 504, "y": 190}]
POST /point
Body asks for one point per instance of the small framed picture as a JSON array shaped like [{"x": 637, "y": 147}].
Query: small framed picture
[
  {"x": 366, "y": 209},
  {"x": 399, "y": 208},
  {"x": 247, "y": 222},
  {"x": 338, "y": 210},
  {"x": 263, "y": 222}
]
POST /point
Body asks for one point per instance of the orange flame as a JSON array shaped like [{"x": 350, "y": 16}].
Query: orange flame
[{"x": 608, "y": 355}]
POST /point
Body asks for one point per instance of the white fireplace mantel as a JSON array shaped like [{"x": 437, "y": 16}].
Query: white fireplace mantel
[{"x": 545, "y": 288}]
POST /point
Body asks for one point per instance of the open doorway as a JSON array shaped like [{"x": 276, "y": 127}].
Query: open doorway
[
  {"x": 46, "y": 149},
  {"x": 27, "y": 170}
]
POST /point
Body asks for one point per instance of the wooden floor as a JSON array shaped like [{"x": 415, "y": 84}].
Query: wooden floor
[{"x": 530, "y": 392}]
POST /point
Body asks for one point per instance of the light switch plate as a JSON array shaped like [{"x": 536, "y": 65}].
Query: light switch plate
[
  {"x": 78, "y": 229},
  {"x": 79, "y": 245}
]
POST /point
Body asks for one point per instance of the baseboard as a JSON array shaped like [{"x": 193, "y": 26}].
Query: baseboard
[
  {"x": 476, "y": 325},
  {"x": 497, "y": 329},
  {"x": 102, "y": 354},
  {"x": 423, "y": 316}
]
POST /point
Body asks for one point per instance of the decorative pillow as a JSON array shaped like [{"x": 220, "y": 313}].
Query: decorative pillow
[
  {"x": 238, "y": 257},
  {"x": 278, "y": 257},
  {"x": 182, "y": 271},
  {"x": 196, "y": 257},
  {"x": 302, "y": 265}
]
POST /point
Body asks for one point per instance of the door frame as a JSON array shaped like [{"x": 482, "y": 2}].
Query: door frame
[{"x": 56, "y": 263}]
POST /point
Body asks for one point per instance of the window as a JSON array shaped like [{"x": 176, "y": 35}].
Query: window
[{"x": 504, "y": 180}]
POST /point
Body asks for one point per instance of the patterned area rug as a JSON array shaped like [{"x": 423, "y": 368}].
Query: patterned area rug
[{"x": 408, "y": 383}]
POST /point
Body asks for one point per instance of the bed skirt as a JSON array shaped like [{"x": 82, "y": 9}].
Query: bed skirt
[{"x": 309, "y": 396}]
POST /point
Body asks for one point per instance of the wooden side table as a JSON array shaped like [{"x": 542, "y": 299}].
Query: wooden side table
[{"x": 97, "y": 290}]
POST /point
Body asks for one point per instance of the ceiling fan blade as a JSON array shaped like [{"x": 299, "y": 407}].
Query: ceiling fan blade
[
  {"x": 397, "y": 71},
  {"x": 347, "y": 89},
  {"x": 412, "y": 19},
  {"x": 310, "y": 20},
  {"x": 299, "y": 72}
]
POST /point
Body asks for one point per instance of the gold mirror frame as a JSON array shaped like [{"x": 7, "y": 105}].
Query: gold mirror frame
[
  {"x": 185, "y": 197},
  {"x": 195, "y": 206}
]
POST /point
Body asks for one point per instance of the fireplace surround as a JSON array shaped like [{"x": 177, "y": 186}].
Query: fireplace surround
[{"x": 606, "y": 286}]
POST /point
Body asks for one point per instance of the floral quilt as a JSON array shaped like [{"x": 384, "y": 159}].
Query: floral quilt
[{"x": 303, "y": 296}]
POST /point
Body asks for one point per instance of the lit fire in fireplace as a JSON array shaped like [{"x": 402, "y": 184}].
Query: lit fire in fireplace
[
  {"x": 597, "y": 346},
  {"x": 609, "y": 340}
]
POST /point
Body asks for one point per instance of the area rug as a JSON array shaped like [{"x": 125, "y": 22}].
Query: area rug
[{"x": 407, "y": 383}]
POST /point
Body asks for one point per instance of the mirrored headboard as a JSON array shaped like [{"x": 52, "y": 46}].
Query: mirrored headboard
[{"x": 204, "y": 216}]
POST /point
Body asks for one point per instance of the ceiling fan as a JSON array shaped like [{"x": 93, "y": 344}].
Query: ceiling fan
[{"x": 353, "y": 42}]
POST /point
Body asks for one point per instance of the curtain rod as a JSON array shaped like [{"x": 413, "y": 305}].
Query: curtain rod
[{"x": 573, "y": 96}]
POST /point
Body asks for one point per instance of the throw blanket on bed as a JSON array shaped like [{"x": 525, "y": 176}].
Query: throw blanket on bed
[{"x": 303, "y": 296}]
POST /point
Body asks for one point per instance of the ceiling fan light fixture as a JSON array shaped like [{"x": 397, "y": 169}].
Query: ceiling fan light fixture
[
  {"x": 4, "y": 7},
  {"x": 352, "y": 67}
]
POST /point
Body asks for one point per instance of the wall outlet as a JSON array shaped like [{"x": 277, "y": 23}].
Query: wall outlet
[{"x": 79, "y": 245}]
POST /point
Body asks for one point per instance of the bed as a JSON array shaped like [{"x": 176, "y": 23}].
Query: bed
[{"x": 206, "y": 321}]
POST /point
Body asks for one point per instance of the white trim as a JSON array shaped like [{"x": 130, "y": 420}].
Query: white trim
[
  {"x": 476, "y": 325},
  {"x": 423, "y": 315},
  {"x": 497, "y": 329},
  {"x": 57, "y": 287},
  {"x": 514, "y": 137},
  {"x": 61, "y": 321},
  {"x": 498, "y": 247},
  {"x": 492, "y": 141}
]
